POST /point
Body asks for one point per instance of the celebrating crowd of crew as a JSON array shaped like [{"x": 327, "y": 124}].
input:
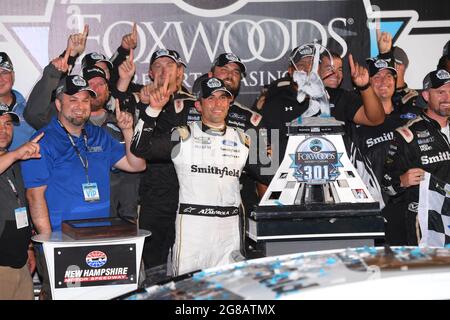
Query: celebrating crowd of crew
[{"x": 177, "y": 163}]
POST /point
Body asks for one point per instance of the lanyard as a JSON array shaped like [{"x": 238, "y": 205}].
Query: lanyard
[
  {"x": 13, "y": 187},
  {"x": 84, "y": 162}
]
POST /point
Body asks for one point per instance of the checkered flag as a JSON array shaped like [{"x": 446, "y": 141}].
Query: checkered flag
[{"x": 434, "y": 212}]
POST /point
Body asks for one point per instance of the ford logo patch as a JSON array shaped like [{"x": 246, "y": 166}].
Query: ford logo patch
[{"x": 229, "y": 143}]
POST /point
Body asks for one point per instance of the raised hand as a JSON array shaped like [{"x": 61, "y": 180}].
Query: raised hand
[
  {"x": 77, "y": 42},
  {"x": 144, "y": 94},
  {"x": 360, "y": 75},
  {"x": 29, "y": 150},
  {"x": 124, "y": 119},
  {"x": 61, "y": 64},
  {"x": 155, "y": 94},
  {"x": 127, "y": 69},
  {"x": 384, "y": 41},
  {"x": 129, "y": 41}
]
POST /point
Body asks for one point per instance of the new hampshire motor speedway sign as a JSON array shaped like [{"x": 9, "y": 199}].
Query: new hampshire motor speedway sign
[
  {"x": 98, "y": 265},
  {"x": 261, "y": 33}
]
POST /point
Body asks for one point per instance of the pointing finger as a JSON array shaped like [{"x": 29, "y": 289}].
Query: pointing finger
[
  {"x": 118, "y": 112},
  {"x": 134, "y": 31},
  {"x": 351, "y": 63},
  {"x": 38, "y": 137},
  {"x": 85, "y": 30}
]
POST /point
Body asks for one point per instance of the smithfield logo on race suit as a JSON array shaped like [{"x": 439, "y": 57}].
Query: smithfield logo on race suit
[
  {"x": 213, "y": 83},
  {"x": 96, "y": 259},
  {"x": 316, "y": 161},
  {"x": 79, "y": 81},
  {"x": 443, "y": 75}
]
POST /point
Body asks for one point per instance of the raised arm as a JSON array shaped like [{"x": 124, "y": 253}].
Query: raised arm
[
  {"x": 129, "y": 162},
  {"x": 371, "y": 113}
]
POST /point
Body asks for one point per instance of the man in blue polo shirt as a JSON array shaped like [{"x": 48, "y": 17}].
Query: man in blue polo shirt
[{"x": 71, "y": 179}]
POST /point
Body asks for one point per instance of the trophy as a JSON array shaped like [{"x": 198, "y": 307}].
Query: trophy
[{"x": 316, "y": 193}]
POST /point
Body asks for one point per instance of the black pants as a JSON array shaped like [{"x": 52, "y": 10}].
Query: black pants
[
  {"x": 162, "y": 227},
  {"x": 124, "y": 194},
  {"x": 396, "y": 226}
]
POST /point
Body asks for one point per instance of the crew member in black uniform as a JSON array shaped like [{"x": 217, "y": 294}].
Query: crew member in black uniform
[
  {"x": 158, "y": 188},
  {"x": 421, "y": 145},
  {"x": 374, "y": 140}
]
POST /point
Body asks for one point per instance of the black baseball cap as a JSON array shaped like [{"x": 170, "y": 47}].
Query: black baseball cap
[
  {"x": 436, "y": 79},
  {"x": 172, "y": 54},
  {"x": 5, "y": 109},
  {"x": 90, "y": 59},
  {"x": 92, "y": 72},
  {"x": 229, "y": 57},
  {"x": 73, "y": 84},
  {"x": 300, "y": 52},
  {"x": 210, "y": 85},
  {"x": 5, "y": 62},
  {"x": 376, "y": 65}
]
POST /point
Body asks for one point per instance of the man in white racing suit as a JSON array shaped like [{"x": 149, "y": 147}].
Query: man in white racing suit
[{"x": 209, "y": 158}]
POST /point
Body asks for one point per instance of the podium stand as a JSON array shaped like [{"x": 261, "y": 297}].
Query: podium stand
[{"x": 92, "y": 268}]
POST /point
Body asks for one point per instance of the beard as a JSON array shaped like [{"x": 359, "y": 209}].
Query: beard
[
  {"x": 441, "y": 110},
  {"x": 235, "y": 90},
  {"x": 79, "y": 121},
  {"x": 98, "y": 103}
]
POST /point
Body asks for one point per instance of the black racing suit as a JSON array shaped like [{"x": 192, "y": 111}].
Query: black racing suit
[
  {"x": 418, "y": 144},
  {"x": 374, "y": 141},
  {"x": 374, "y": 144},
  {"x": 158, "y": 190}
]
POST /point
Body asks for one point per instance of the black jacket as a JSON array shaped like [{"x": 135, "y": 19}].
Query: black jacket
[{"x": 418, "y": 144}]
